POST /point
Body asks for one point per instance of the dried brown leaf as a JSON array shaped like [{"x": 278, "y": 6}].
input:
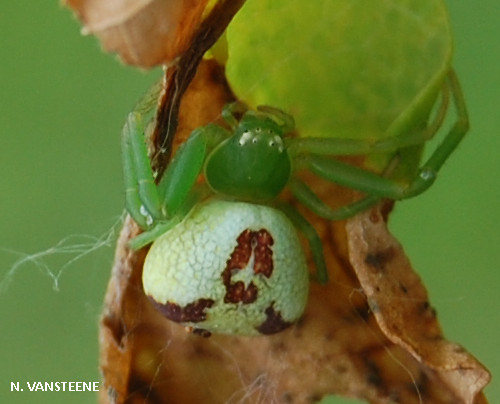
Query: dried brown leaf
[
  {"x": 400, "y": 304},
  {"x": 143, "y": 33}
]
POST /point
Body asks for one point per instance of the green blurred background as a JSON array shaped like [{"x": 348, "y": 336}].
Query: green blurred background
[{"x": 62, "y": 104}]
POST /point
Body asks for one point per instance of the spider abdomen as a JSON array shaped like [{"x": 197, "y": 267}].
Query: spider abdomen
[{"x": 230, "y": 268}]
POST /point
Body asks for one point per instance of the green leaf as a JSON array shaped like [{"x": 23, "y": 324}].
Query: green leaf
[{"x": 342, "y": 68}]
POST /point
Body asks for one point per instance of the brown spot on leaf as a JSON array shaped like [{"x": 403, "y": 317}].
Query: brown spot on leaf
[
  {"x": 403, "y": 288},
  {"x": 425, "y": 309},
  {"x": 140, "y": 391},
  {"x": 192, "y": 312},
  {"x": 379, "y": 259},
  {"x": 274, "y": 322},
  {"x": 372, "y": 374},
  {"x": 256, "y": 243},
  {"x": 201, "y": 332},
  {"x": 287, "y": 397}
]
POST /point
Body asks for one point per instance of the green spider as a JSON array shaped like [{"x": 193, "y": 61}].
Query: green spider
[{"x": 225, "y": 256}]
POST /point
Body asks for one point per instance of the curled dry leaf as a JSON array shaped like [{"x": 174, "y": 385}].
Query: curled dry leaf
[
  {"x": 143, "y": 33},
  {"x": 401, "y": 307},
  {"x": 340, "y": 346}
]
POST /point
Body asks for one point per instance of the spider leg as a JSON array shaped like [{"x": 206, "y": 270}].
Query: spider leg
[
  {"x": 149, "y": 236},
  {"x": 185, "y": 167},
  {"x": 377, "y": 186},
  {"x": 197, "y": 193},
  {"x": 389, "y": 144},
  {"x": 287, "y": 121},
  {"x": 141, "y": 192},
  {"x": 148, "y": 102},
  {"x": 315, "y": 244},
  {"x": 132, "y": 201},
  {"x": 163, "y": 204},
  {"x": 431, "y": 167},
  {"x": 308, "y": 198},
  {"x": 229, "y": 110}
]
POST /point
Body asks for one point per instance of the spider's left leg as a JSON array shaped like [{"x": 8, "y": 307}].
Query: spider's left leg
[
  {"x": 383, "y": 187},
  {"x": 377, "y": 186},
  {"x": 176, "y": 187},
  {"x": 185, "y": 167},
  {"x": 395, "y": 139},
  {"x": 315, "y": 244}
]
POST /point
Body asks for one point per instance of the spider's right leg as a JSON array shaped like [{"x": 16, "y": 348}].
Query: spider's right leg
[
  {"x": 315, "y": 244},
  {"x": 308, "y": 198},
  {"x": 142, "y": 200}
]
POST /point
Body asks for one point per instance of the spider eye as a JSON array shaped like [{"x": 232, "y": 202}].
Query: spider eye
[
  {"x": 245, "y": 137},
  {"x": 277, "y": 141}
]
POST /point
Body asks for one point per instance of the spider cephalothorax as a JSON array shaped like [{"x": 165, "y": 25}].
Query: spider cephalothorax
[{"x": 253, "y": 163}]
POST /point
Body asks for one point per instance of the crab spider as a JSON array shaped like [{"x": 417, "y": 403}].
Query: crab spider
[{"x": 246, "y": 165}]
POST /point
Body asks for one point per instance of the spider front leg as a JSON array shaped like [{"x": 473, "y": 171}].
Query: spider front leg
[
  {"x": 377, "y": 186},
  {"x": 141, "y": 197},
  {"x": 157, "y": 208},
  {"x": 285, "y": 121},
  {"x": 185, "y": 167},
  {"x": 230, "y": 110}
]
